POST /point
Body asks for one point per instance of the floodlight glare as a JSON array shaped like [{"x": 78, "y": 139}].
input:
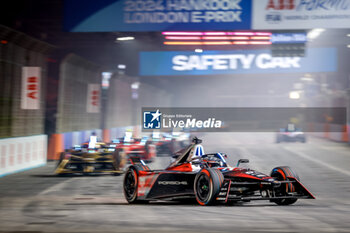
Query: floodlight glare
[
  {"x": 294, "y": 95},
  {"x": 125, "y": 38}
]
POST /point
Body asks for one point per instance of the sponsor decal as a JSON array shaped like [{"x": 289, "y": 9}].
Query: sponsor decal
[
  {"x": 93, "y": 98},
  {"x": 172, "y": 182},
  {"x": 31, "y": 77},
  {"x": 301, "y": 14},
  {"x": 281, "y": 5}
]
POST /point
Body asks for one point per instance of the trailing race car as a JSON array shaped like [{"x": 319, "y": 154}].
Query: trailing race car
[
  {"x": 208, "y": 179},
  {"x": 97, "y": 157},
  {"x": 142, "y": 148},
  {"x": 290, "y": 134},
  {"x": 168, "y": 143}
]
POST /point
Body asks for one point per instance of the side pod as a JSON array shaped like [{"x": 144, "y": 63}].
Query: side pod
[{"x": 137, "y": 160}]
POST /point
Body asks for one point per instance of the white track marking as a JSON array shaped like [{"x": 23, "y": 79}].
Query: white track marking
[
  {"x": 329, "y": 166},
  {"x": 55, "y": 188}
]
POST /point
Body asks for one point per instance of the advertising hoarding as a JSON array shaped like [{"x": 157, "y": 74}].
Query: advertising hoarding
[
  {"x": 30, "y": 95},
  {"x": 93, "y": 98},
  {"x": 300, "y": 14},
  {"x": 235, "y": 62},
  {"x": 156, "y": 15}
]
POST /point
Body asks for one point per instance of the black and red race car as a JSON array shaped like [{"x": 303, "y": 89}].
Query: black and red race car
[
  {"x": 208, "y": 179},
  {"x": 142, "y": 148},
  {"x": 168, "y": 143}
]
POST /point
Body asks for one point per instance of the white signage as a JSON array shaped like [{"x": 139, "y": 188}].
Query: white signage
[
  {"x": 30, "y": 97},
  {"x": 233, "y": 62},
  {"x": 300, "y": 14},
  {"x": 93, "y": 98},
  {"x": 184, "y": 11},
  {"x": 22, "y": 153}
]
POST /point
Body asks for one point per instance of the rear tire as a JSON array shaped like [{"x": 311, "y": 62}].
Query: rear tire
[
  {"x": 281, "y": 174},
  {"x": 207, "y": 185}
]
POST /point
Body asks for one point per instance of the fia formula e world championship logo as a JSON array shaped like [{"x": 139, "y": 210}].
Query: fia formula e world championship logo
[{"x": 152, "y": 120}]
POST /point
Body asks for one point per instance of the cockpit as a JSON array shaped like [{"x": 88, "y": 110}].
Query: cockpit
[{"x": 194, "y": 156}]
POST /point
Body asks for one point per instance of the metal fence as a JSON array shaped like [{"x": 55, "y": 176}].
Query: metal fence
[
  {"x": 124, "y": 109},
  {"x": 119, "y": 104},
  {"x": 16, "y": 51}
]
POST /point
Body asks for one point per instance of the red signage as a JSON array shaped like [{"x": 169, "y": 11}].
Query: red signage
[
  {"x": 31, "y": 87},
  {"x": 93, "y": 98},
  {"x": 280, "y": 5}
]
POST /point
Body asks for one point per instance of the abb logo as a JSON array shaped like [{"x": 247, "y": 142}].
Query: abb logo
[
  {"x": 93, "y": 98},
  {"x": 32, "y": 87},
  {"x": 30, "y": 97},
  {"x": 95, "y": 95},
  {"x": 280, "y": 5}
]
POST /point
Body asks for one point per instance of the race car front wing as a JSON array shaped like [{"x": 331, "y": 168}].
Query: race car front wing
[{"x": 235, "y": 191}]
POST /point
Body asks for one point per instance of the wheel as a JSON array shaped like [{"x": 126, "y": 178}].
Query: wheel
[
  {"x": 303, "y": 140},
  {"x": 207, "y": 185},
  {"x": 60, "y": 166},
  {"x": 281, "y": 174},
  {"x": 278, "y": 139},
  {"x": 130, "y": 184},
  {"x": 62, "y": 154},
  {"x": 119, "y": 158}
]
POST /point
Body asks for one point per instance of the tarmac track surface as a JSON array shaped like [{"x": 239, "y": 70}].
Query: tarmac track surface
[{"x": 37, "y": 201}]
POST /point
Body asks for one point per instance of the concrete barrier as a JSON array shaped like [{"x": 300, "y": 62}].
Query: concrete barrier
[
  {"x": 22, "y": 153},
  {"x": 334, "y": 132}
]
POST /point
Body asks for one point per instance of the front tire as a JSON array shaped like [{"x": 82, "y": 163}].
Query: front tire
[
  {"x": 281, "y": 174},
  {"x": 130, "y": 184},
  {"x": 278, "y": 139},
  {"x": 207, "y": 185},
  {"x": 62, "y": 155},
  {"x": 119, "y": 157}
]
